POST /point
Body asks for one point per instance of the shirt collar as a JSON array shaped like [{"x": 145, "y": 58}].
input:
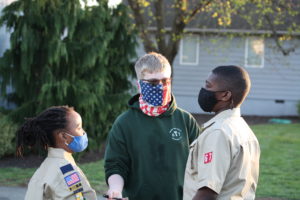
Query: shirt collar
[
  {"x": 60, "y": 153},
  {"x": 235, "y": 112}
]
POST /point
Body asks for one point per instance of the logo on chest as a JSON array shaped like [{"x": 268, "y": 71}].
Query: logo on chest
[{"x": 176, "y": 134}]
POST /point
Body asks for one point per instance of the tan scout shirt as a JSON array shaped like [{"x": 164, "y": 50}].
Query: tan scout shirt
[
  {"x": 224, "y": 158},
  {"x": 48, "y": 182}
]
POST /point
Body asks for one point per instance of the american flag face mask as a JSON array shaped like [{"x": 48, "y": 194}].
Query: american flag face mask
[
  {"x": 162, "y": 95},
  {"x": 155, "y": 95}
]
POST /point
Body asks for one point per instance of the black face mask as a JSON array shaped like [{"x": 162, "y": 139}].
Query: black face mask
[{"x": 207, "y": 100}]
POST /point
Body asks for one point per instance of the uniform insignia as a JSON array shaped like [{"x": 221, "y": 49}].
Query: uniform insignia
[
  {"x": 72, "y": 179},
  {"x": 66, "y": 168},
  {"x": 79, "y": 196},
  {"x": 75, "y": 187},
  {"x": 208, "y": 157}
]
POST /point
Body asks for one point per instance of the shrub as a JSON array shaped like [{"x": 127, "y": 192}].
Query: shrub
[
  {"x": 8, "y": 130},
  {"x": 62, "y": 54}
]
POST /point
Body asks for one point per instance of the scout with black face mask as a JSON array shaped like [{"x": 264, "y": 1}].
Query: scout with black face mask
[{"x": 224, "y": 161}]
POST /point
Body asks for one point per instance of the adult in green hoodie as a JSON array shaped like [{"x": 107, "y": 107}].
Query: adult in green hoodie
[{"x": 148, "y": 145}]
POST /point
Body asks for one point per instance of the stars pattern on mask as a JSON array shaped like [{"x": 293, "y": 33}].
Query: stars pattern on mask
[{"x": 152, "y": 94}]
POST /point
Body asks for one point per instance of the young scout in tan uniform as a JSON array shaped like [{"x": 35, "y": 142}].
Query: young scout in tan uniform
[
  {"x": 224, "y": 160},
  {"x": 58, "y": 130}
]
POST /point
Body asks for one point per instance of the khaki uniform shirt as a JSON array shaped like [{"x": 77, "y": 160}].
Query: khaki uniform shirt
[
  {"x": 224, "y": 158},
  {"x": 58, "y": 178}
]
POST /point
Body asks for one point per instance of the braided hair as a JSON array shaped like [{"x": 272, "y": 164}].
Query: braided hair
[{"x": 38, "y": 131}]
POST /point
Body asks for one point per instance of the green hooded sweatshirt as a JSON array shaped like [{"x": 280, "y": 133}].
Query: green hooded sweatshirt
[{"x": 150, "y": 153}]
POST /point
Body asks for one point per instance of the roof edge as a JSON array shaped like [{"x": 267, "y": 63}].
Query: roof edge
[{"x": 239, "y": 31}]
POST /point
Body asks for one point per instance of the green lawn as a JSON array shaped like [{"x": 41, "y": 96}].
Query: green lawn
[
  {"x": 20, "y": 177},
  {"x": 279, "y": 164},
  {"x": 280, "y": 160}
]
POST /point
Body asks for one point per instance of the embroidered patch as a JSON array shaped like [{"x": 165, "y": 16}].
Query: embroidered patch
[
  {"x": 66, "y": 168},
  {"x": 72, "y": 179},
  {"x": 75, "y": 187},
  {"x": 77, "y": 191},
  {"x": 207, "y": 157}
]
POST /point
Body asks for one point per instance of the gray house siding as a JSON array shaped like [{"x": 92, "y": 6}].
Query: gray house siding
[{"x": 275, "y": 87}]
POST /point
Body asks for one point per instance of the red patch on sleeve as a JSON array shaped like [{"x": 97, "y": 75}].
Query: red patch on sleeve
[{"x": 207, "y": 157}]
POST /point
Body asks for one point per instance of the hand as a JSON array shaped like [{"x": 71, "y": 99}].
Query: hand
[
  {"x": 113, "y": 194},
  {"x": 115, "y": 184}
]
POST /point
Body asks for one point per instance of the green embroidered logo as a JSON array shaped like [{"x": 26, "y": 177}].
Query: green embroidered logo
[{"x": 176, "y": 133}]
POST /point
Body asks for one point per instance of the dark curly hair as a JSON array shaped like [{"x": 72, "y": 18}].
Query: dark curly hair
[{"x": 38, "y": 131}]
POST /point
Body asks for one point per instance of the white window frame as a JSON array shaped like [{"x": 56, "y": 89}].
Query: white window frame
[
  {"x": 246, "y": 54},
  {"x": 181, "y": 62}
]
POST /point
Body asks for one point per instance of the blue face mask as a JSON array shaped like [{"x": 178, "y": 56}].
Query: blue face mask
[{"x": 79, "y": 143}]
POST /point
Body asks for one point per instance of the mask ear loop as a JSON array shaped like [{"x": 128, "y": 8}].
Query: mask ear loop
[{"x": 68, "y": 135}]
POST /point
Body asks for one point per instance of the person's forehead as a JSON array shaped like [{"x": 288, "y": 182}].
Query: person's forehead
[
  {"x": 212, "y": 80},
  {"x": 157, "y": 75},
  {"x": 211, "y": 77},
  {"x": 74, "y": 119}
]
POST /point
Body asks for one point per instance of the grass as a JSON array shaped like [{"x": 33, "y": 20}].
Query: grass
[
  {"x": 13, "y": 176},
  {"x": 279, "y": 164},
  {"x": 280, "y": 160},
  {"x": 95, "y": 174}
]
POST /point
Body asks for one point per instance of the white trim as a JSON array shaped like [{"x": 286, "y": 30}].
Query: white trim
[
  {"x": 181, "y": 62},
  {"x": 246, "y": 55},
  {"x": 215, "y": 30}
]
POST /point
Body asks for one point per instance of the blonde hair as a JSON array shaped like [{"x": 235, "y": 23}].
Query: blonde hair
[{"x": 151, "y": 62}]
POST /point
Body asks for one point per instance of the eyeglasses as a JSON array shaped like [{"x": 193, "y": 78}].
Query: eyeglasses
[{"x": 157, "y": 81}]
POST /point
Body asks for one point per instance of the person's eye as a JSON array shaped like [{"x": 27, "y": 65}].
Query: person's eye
[
  {"x": 165, "y": 81},
  {"x": 153, "y": 82}
]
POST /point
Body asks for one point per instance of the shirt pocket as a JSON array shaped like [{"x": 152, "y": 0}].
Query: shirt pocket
[{"x": 193, "y": 158}]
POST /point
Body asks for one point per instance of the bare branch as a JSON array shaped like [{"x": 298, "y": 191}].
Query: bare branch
[
  {"x": 176, "y": 30},
  {"x": 197, "y": 9},
  {"x": 181, "y": 19},
  {"x": 284, "y": 51},
  {"x": 160, "y": 24},
  {"x": 142, "y": 25}
]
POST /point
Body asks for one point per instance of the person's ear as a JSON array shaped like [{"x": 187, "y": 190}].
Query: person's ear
[
  {"x": 61, "y": 136},
  {"x": 226, "y": 96}
]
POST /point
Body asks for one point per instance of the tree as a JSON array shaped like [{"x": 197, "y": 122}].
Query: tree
[
  {"x": 167, "y": 19},
  {"x": 63, "y": 54}
]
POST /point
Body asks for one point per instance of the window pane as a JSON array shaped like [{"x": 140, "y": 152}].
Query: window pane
[
  {"x": 189, "y": 51},
  {"x": 255, "y": 52}
]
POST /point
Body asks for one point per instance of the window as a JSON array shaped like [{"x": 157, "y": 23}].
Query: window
[
  {"x": 189, "y": 50},
  {"x": 254, "y": 53}
]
